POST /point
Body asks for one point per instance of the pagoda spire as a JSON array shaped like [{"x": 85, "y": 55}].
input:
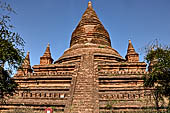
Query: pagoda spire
[
  {"x": 130, "y": 48},
  {"x": 89, "y": 4},
  {"x": 46, "y": 58},
  {"x": 47, "y": 51},
  {"x": 131, "y": 55},
  {"x": 90, "y": 30},
  {"x": 27, "y": 59},
  {"x": 25, "y": 67}
]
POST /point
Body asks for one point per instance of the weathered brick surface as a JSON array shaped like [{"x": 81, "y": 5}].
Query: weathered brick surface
[
  {"x": 83, "y": 98},
  {"x": 90, "y": 30},
  {"x": 90, "y": 77}
]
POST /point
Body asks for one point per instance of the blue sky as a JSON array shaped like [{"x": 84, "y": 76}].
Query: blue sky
[{"x": 40, "y": 22}]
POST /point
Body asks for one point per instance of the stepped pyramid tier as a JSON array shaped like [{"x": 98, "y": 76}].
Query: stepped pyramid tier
[{"x": 90, "y": 35}]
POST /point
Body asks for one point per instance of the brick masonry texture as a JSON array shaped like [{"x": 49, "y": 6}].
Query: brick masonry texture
[{"x": 90, "y": 77}]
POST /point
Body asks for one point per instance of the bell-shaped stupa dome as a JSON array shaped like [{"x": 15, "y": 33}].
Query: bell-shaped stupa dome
[{"x": 90, "y": 30}]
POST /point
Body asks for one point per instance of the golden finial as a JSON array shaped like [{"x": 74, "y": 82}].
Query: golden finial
[{"x": 90, "y": 4}]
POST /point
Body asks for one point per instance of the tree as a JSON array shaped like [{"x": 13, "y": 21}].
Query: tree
[
  {"x": 158, "y": 58},
  {"x": 11, "y": 51}
]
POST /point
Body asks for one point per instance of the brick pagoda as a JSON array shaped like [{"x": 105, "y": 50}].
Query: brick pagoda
[{"x": 90, "y": 77}]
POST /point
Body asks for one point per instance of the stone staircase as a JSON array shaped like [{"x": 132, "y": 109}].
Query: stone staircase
[{"x": 84, "y": 97}]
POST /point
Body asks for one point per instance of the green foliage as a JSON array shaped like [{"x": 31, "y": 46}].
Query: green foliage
[
  {"x": 7, "y": 85},
  {"x": 11, "y": 51},
  {"x": 101, "y": 46},
  {"x": 99, "y": 68},
  {"x": 158, "y": 58},
  {"x": 11, "y": 44},
  {"x": 10, "y": 54},
  {"x": 108, "y": 106},
  {"x": 110, "y": 103}
]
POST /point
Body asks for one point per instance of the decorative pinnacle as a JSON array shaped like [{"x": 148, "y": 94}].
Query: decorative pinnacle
[
  {"x": 89, "y": 4},
  {"x": 47, "y": 52},
  {"x": 28, "y": 53},
  {"x": 48, "y": 45},
  {"x": 130, "y": 47},
  {"x": 27, "y": 59}
]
